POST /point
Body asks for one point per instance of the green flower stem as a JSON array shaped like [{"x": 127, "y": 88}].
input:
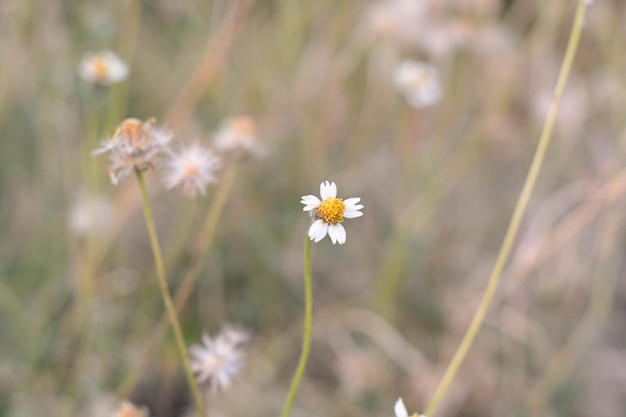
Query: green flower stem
[
  {"x": 308, "y": 325},
  {"x": 522, "y": 202},
  {"x": 188, "y": 282},
  {"x": 167, "y": 299}
]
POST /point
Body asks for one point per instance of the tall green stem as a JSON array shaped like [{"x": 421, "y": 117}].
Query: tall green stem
[
  {"x": 167, "y": 299},
  {"x": 205, "y": 240},
  {"x": 522, "y": 202},
  {"x": 308, "y": 325}
]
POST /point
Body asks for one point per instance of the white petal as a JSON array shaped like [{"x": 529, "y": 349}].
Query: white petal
[
  {"x": 328, "y": 190},
  {"x": 325, "y": 190},
  {"x": 309, "y": 199},
  {"x": 400, "y": 409},
  {"x": 333, "y": 190},
  {"x": 322, "y": 232},
  {"x": 352, "y": 214},
  {"x": 351, "y": 201},
  {"x": 332, "y": 233},
  {"x": 353, "y": 207},
  {"x": 315, "y": 227},
  {"x": 318, "y": 230},
  {"x": 310, "y": 202},
  {"x": 337, "y": 233}
]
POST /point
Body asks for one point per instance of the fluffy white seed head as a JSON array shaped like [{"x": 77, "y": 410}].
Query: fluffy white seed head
[{"x": 193, "y": 169}]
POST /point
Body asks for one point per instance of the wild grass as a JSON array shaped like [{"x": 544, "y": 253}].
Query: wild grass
[{"x": 82, "y": 320}]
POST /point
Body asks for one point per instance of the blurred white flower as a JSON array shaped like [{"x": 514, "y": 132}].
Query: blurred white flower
[
  {"x": 400, "y": 410},
  {"x": 219, "y": 359},
  {"x": 418, "y": 82},
  {"x": 135, "y": 145},
  {"x": 329, "y": 213},
  {"x": 128, "y": 409},
  {"x": 237, "y": 138},
  {"x": 91, "y": 216},
  {"x": 102, "y": 68},
  {"x": 193, "y": 169}
]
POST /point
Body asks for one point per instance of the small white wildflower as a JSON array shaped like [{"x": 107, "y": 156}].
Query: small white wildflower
[
  {"x": 128, "y": 409},
  {"x": 102, "y": 68},
  {"x": 193, "y": 169},
  {"x": 329, "y": 213},
  {"x": 418, "y": 82},
  {"x": 400, "y": 410},
  {"x": 219, "y": 360},
  {"x": 135, "y": 145},
  {"x": 238, "y": 139}
]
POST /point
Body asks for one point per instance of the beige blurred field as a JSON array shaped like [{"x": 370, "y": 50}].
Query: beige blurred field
[{"x": 79, "y": 302}]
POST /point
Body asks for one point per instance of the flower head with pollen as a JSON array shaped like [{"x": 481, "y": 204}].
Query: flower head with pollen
[
  {"x": 193, "y": 169},
  {"x": 400, "y": 410},
  {"x": 329, "y": 212},
  {"x": 102, "y": 68},
  {"x": 135, "y": 145}
]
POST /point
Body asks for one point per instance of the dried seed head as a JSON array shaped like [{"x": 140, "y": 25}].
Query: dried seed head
[{"x": 135, "y": 145}]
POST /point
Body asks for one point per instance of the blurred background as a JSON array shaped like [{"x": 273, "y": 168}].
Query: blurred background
[{"x": 79, "y": 303}]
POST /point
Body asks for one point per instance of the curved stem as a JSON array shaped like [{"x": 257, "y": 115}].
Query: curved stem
[
  {"x": 167, "y": 299},
  {"x": 308, "y": 325},
  {"x": 191, "y": 277},
  {"x": 522, "y": 202}
]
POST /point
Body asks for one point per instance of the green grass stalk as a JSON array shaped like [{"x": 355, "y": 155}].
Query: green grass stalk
[
  {"x": 520, "y": 208},
  {"x": 167, "y": 299},
  {"x": 191, "y": 276}
]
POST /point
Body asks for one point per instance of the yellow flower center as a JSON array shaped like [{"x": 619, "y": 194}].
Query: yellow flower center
[
  {"x": 331, "y": 210},
  {"x": 101, "y": 69}
]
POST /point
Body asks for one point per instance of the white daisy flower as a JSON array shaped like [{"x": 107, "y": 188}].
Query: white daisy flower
[
  {"x": 219, "y": 360},
  {"x": 102, "y": 68},
  {"x": 400, "y": 410},
  {"x": 193, "y": 169},
  {"x": 418, "y": 82},
  {"x": 135, "y": 145},
  {"x": 238, "y": 138},
  {"x": 329, "y": 213}
]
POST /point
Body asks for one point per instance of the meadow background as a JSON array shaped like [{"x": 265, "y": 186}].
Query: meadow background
[{"x": 78, "y": 305}]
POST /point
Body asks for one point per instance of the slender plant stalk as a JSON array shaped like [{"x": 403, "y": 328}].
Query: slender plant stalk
[
  {"x": 308, "y": 326},
  {"x": 522, "y": 202},
  {"x": 187, "y": 284},
  {"x": 167, "y": 299}
]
